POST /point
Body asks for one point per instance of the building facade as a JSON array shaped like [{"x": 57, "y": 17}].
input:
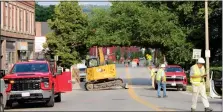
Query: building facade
[
  {"x": 17, "y": 32},
  {"x": 42, "y": 29}
]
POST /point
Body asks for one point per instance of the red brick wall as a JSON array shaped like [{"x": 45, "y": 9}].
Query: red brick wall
[{"x": 92, "y": 51}]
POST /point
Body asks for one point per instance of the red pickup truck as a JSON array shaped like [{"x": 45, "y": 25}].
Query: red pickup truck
[
  {"x": 175, "y": 77},
  {"x": 36, "y": 81}
]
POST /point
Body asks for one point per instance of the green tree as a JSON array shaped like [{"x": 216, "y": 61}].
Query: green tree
[
  {"x": 125, "y": 55},
  {"x": 143, "y": 26},
  {"x": 118, "y": 53},
  {"x": 174, "y": 27},
  {"x": 69, "y": 33},
  {"x": 43, "y": 13},
  {"x": 190, "y": 16}
]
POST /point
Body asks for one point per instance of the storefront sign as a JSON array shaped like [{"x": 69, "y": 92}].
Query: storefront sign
[{"x": 22, "y": 46}]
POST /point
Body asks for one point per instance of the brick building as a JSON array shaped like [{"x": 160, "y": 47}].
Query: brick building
[
  {"x": 17, "y": 32},
  {"x": 109, "y": 52}
]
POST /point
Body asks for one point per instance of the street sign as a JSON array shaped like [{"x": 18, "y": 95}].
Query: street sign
[
  {"x": 196, "y": 53},
  {"x": 207, "y": 53},
  {"x": 56, "y": 58}
]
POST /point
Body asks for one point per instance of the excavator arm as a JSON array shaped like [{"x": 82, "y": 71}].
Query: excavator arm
[{"x": 101, "y": 56}]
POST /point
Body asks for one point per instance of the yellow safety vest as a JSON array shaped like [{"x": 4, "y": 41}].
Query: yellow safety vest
[
  {"x": 197, "y": 72},
  {"x": 159, "y": 74},
  {"x": 152, "y": 72}
]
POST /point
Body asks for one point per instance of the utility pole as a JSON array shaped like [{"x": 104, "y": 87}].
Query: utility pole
[
  {"x": 96, "y": 48},
  {"x": 207, "y": 44},
  {"x": 1, "y": 35}
]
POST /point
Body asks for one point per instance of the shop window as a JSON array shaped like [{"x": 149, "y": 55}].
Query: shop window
[
  {"x": 10, "y": 52},
  {"x": 30, "y": 54},
  {"x": 10, "y": 57},
  {"x": 30, "y": 50},
  {"x": 10, "y": 60}
]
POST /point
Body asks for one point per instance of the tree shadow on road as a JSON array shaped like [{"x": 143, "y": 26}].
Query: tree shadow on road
[
  {"x": 215, "y": 102},
  {"x": 138, "y": 81},
  {"x": 152, "y": 89}
]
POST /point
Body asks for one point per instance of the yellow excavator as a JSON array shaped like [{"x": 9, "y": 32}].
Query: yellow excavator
[{"x": 101, "y": 75}]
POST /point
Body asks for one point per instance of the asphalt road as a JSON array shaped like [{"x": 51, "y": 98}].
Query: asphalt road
[{"x": 139, "y": 97}]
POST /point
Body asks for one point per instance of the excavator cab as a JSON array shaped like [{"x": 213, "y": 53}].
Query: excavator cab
[
  {"x": 100, "y": 75},
  {"x": 92, "y": 62}
]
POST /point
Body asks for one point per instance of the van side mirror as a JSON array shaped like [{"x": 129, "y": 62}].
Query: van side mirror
[{"x": 2, "y": 73}]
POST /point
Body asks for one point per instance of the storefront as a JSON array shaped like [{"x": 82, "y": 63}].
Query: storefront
[
  {"x": 30, "y": 52},
  {"x": 22, "y": 48}
]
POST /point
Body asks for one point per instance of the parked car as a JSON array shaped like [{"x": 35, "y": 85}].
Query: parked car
[
  {"x": 175, "y": 78},
  {"x": 216, "y": 82}
]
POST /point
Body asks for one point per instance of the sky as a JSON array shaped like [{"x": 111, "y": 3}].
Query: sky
[{"x": 54, "y": 2}]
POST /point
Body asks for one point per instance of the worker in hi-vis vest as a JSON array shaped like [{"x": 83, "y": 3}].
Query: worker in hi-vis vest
[
  {"x": 152, "y": 75},
  {"x": 197, "y": 75},
  {"x": 161, "y": 80}
]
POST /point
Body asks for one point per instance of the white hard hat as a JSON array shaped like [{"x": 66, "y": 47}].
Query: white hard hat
[
  {"x": 201, "y": 60},
  {"x": 163, "y": 66}
]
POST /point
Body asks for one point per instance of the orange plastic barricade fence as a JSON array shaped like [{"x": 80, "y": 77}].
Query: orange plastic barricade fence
[{"x": 75, "y": 74}]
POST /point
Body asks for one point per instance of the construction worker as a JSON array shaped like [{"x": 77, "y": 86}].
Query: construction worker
[
  {"x": 197, "y": 74},
  {"x": 161, "y": 81},
  {"x": 152, "y": 75}
]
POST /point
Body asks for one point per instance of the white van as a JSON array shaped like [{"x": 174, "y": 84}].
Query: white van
[{"x": 82, "y": 72}]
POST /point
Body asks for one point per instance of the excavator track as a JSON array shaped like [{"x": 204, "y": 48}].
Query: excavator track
[{"x": 104, "y": 84}]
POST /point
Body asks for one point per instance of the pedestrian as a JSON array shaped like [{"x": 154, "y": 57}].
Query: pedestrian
[
  {"x": 197, "y": 75},
  {"x": 152, "y": 75},
  {"x": 161, "y": 80}
]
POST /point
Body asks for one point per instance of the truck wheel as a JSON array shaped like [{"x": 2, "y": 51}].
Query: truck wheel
[
  {"x": 184, "y": 88},
  {"x": 1, "y": 104},
  {"x": 50, "y": 103},
  {"x": 58, "y": 98}
]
